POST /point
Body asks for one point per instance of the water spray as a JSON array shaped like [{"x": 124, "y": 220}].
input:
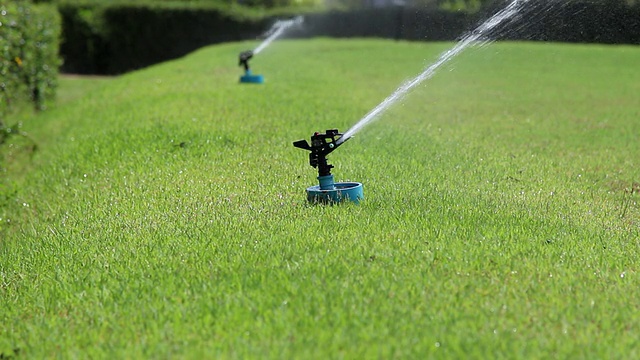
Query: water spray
[
  {"x": 322, "y": 144},
  {"x": 469, "y": 39},
  {"x": 275, "y": 31}
]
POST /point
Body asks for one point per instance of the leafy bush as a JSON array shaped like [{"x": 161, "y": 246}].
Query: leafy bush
[{"x": 29, "y": 62}]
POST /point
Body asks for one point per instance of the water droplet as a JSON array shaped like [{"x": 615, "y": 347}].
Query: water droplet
[{"x": 437, "y": 344}]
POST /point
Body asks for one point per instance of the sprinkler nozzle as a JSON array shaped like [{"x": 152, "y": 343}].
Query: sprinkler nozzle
[
  {"x": 321, "y": 145},
  {"x": 244, "y": 59}
]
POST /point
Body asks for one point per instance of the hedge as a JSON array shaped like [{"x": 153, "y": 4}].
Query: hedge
[
  {"x": 611, "y": 22},
  {"x": 117, "y": 38},
  {"x": 578, "y": 21},
  {"x": 29, "y": 61}
]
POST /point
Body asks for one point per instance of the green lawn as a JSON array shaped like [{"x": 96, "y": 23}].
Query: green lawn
[
  {"x": 73, "y": 87},
  {"x": 164, "y": 215}
]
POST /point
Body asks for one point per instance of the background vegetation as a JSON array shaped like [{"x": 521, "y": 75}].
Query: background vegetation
[
  {"x": 29, "y": 61},
  {"x": 98, "y": 35}
]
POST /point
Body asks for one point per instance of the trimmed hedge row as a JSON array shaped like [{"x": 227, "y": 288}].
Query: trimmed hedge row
[
  {"x": 29, "y": 61},
  {"x": 582, "y": 21},
  {"x": 119, "y": 38},
  {"x": 612, "y": 22}
]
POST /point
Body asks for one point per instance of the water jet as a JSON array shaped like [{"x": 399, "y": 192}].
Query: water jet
[{"x": 475, "y": 37}]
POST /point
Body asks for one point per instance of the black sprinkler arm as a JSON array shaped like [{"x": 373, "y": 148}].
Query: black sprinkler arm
[
  {"x": 322, "y": 144},
  {"x": 244, "y": 58}
]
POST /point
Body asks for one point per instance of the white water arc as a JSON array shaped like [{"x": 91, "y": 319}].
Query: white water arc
[
  {"x": 276, "y": 30},
  {"x": 476, "y": 35}
]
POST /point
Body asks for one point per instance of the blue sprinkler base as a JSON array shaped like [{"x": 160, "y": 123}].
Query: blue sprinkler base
[
  {"x": 330, "y": 192},
  {"x": 249, "y": 78}
]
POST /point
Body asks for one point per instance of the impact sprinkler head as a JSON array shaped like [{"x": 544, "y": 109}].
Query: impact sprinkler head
[
  {"x": 244, "y": 58},
  {"x": 248, "y": 77},
  {"x": 322, "y": 144}
]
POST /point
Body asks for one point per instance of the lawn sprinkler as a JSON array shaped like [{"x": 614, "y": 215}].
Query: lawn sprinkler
[
  {"x": 248, "y": 77},
  {"x": 322, "y": 144}
]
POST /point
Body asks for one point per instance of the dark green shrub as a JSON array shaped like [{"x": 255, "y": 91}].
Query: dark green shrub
[
  {"x": 121, "y": 37},
  {"x": 115, "y": 36},
  {"x": 29, "y": 62}
]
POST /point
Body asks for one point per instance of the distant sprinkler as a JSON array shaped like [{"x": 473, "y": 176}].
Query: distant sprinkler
[
  {"x": 245, "y": 56},
  {"x": 276, "y": 30},
  {"x": 248, "y": 77},
  {"x": 322, "y": 144}
]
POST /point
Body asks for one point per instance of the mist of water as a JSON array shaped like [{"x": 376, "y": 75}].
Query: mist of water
[
  {"x": 479, "y": 35},
  {"x": 276, "y": 30}
]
